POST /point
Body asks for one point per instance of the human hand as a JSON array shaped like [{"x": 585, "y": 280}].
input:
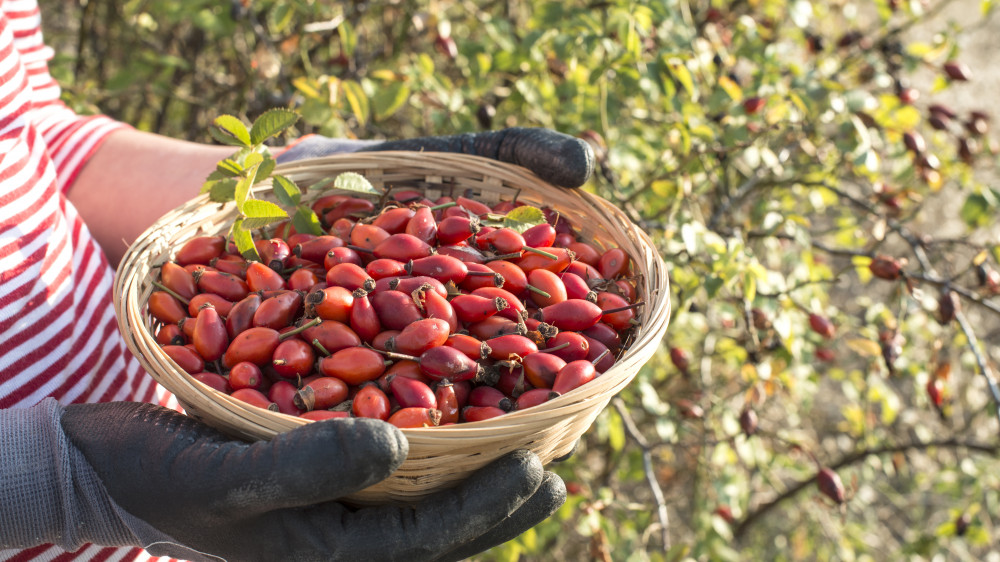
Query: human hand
[
  {"x": 277, "y": 500},
  {"x": 557, "y": 158}
]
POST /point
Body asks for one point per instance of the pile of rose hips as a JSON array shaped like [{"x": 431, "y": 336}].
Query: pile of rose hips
[{"x": 419, "y": 313}]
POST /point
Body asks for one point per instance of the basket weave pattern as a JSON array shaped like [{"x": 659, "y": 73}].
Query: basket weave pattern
[{"x": 441, "y": 456}]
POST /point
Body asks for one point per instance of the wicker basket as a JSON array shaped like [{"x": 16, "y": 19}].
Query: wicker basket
[{"x": 442, "y": 456}]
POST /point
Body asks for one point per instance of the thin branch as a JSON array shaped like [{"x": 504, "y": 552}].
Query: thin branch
[
  {"x": 853, "y": 458},
  {"x": 984, "y": 368},
  {"x": 647, "y": 464}
]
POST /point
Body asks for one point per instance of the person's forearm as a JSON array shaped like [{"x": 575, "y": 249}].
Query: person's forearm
[{"x": 133, "y": 179}]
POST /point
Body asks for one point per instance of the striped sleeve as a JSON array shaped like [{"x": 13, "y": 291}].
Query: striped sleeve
[{"x": 71, "y": 139}]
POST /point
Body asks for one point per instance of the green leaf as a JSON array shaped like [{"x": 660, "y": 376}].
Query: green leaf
[
  {"x": 523, "y": 218},
  {"x": 264, "y": 169},
  {"x": 357, "y": 99},
  {"x": 251, "y": 161},
  {"x": 681, "y": 73},
  {"x": 244, "y": 241},
  {"x": 221, "y": 191},
  {"x": 305, "y": 220},
  {"x": 616, "y": 433},
  {"x": 261, "y": 213},
  {"x": 271, "y": 123},
  {"x": 286, "y": 191},
  {"x": 976, "y": 211},
  {"x": 228, "y": 168},
  {"x": 389, "y": 98},
  {"x": 241, "y": 191},
  {"x": 230, "y": 130},
  {"x": 279, "y": 17},
  {"x": 352, "y": 181},
  {"x": 348, "y": 38}
]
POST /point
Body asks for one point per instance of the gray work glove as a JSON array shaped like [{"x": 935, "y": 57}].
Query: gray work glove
[
  {"x": 555, "y": 157},
  {"x": 277, "y": 500}
]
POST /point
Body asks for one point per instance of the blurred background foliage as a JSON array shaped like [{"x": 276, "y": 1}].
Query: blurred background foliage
[{"x": 827, "y": 386}]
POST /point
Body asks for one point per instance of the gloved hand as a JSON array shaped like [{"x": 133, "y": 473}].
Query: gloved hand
[
  {"x": 555, "y": 157},
  {"x": 277, "y": 500}
]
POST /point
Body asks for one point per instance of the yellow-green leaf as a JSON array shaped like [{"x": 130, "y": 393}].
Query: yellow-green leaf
[
  {"x": 241, "y": 191},
  {"x": 731, "y": 88},
  {"x": 220, "y": 191},
  {"x": 352, "y": 181},
  {"x": 864, "y": 347},
  {"x": 244, "y": 241},
  {"x": 348, "y": 38},
  {"x": 232, "y": 130},
  {"x": 683, "y": 75},
  {"x": 616, "y": 433},
  {"x": 286, "y": 191},
  {"x": 271, "y": 123},
  {"x": 389, "y": 98},
  {"x": 305, "y": 220},
  {"x": 357, "y": 99},
  {"x": 261, "y": 213},
  {"x": 523, "y": 218}
]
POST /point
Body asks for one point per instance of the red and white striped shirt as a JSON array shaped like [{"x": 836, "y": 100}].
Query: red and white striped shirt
[{"x": 58, "y": 333}]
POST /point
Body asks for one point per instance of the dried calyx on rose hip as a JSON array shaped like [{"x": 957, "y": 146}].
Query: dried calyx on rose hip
[{"x": 413, "y": 311}]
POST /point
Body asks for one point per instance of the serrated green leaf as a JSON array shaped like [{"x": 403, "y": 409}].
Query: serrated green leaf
[
  {"x": 251, "y": 161},
  {"x": 241, "y": 191},
  {"x": 261, "y": 213},
  {"x": 357, "y": 99},
  {"x": 352, "y": 181},
  {"x": 221, "y": 191},
  {"x": 322, "y": 184},
  {"x": 305, "y": 220},
  {"x": 217, "y": 175},
  {"x": 230, "y": 131},
  {"x": 389, "y": 98},
  {"x": 227, "y": 168},
  {"x": 244, "y": 241},
  {"x": 271, "y": 123},
  {"x": 264, "y": 169},
  {"x": 286, "y": 191},
  {"x": 522, "y": 218}
]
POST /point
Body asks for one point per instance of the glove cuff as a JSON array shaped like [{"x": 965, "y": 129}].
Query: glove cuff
[
  {"x": 315, "y": 146},
  {"x": 51, "y": 494}
]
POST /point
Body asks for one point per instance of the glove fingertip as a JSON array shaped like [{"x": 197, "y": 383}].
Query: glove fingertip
[
  {"x": 551, "y": 495},
  {"x": 578, "y": 165}
]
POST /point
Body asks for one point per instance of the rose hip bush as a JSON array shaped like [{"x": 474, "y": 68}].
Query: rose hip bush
[{"x": 827, "y": 386}]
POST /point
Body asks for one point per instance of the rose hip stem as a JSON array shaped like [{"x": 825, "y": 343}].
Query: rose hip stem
[
  {"x": 322, "y": 349},
  {"x": 443, "y": 206},
  {"x": 397, "y": 356},
  {"x": 599, "y": 357},
  {"x": 622, "y": 308},
  {"x": 556, "y": 348},
  {"x": 163, "y": 287},
  {"x": 314, "y": 322},
  {"x": 538, "y": 291},
  {"x": 549, "y": 255}
]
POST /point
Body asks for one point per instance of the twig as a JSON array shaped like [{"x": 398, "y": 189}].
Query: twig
[
  {"x": 647, "y": 464},
  {"x": 852, "y": 458},
  {"x": 984, "y": 368}
]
